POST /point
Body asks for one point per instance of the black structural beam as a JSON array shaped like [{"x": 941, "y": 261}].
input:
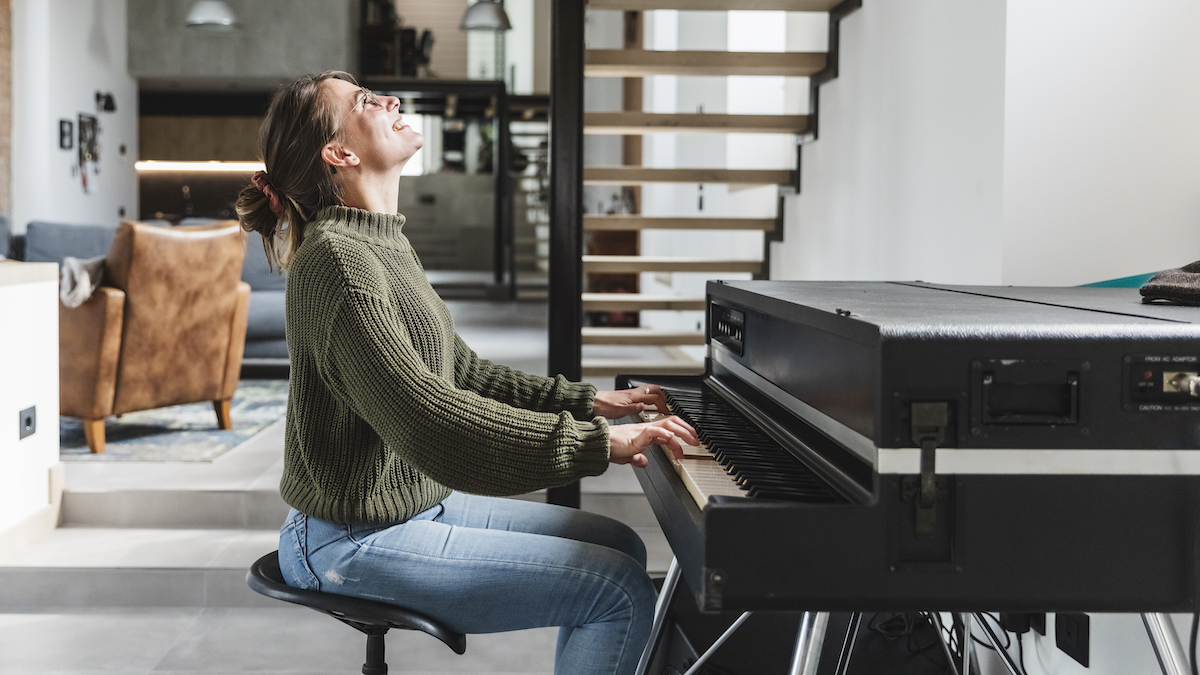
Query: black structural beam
[{"x": 566, "y": 203}]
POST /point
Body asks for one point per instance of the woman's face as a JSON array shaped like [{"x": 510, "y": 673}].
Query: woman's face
[{"x": 372, "y": 128}]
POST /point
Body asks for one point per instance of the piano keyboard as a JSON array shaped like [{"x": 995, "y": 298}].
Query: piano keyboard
[{"x": 736, "y": 459}]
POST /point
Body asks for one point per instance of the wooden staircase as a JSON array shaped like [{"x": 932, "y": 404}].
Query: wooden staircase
[{"x": 634, "y": 63}]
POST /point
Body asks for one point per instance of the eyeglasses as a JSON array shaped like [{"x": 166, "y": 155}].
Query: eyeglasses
[{"x": 367, "y": 98}]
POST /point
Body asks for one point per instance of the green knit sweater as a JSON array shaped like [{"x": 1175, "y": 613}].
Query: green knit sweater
[{"x": 389, "y": 410}]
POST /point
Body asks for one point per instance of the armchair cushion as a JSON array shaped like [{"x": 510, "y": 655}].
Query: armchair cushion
[
  {"x": 267, "y": 321},
  {"x": 256, "y": 271},
  {"x": 51, "y": 242}
]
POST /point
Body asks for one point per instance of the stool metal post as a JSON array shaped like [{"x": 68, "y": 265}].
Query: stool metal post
[
  {"x": 807, "y": 655},
  {"x": 660, "y": 615},
  {"x": 1165, "y": 640},
  {"x": 376, "y": 664}
]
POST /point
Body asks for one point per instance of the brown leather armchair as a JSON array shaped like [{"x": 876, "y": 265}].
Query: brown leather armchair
[{"x": 168, "y": 327}]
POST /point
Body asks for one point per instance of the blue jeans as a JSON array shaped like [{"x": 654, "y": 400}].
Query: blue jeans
[{"x": 485, "y": 565}]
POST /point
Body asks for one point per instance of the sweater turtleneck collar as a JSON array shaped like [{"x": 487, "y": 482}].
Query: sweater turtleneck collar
[{"x": 380, "y": 227}]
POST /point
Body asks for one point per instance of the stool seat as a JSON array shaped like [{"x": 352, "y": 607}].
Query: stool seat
[{"x": 369, "y": 616}]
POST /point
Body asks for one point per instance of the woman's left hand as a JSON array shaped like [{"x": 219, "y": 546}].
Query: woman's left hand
[{"x": 623, "y": 402}]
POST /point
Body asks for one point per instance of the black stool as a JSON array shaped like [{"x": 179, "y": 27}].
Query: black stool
[{"x": 368, "y": 616}]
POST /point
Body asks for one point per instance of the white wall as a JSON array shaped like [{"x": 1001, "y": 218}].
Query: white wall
[
  {"x": 29, "y": 378},
  {"x": 1016, "y": 142},
  {"x": 64, "y": 51},
  {"x": 906, "y": 179},
  {"x": 1102, "y": 139}
]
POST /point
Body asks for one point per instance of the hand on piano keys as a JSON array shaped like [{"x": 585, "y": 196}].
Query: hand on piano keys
[
  {"x": 628, "y": 441},
  {"x": 624, "y": 402},
  {"x": 702, "y": 475}
]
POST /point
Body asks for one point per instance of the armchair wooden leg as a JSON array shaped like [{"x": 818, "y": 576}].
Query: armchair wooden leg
[
  {"x": 93, "y": 431},
  {"x": 224, "y": 421}
]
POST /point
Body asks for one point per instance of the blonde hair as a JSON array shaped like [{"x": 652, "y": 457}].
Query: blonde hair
[{"x": 300, "y": 120}]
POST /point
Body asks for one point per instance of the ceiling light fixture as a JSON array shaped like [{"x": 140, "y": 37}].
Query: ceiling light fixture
[{"x": 211, "y": 15}]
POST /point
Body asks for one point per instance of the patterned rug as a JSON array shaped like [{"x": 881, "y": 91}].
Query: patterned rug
[{"x": 181, "y": 433}]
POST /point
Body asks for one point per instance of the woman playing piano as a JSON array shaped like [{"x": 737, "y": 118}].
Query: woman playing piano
[{"x": 395, "y": 426}]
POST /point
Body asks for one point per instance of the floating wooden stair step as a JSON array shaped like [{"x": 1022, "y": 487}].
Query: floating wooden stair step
[
  {"x": 717, "y": 5},
  {"x": 640, "y": 336},
  {"x": 634, "y": 123},
  {"x": 606, "y": 368},
  {"x": 636, "y": 175},
  {"x": 638, "y": 62},
  {"x": 644, "y": 223},
  {"x": 643, "y": 263},
  {"x": 633, "y": 302}
]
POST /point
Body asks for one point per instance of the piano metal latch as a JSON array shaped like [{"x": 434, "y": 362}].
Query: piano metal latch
[{"x": 929, "y": 422}]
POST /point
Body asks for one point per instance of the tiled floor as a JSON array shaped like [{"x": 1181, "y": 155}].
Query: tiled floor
[{"x": 147, "y": 576}]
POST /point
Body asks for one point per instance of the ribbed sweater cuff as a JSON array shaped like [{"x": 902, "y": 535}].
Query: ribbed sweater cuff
[
  {"x": 591, "y": 455},
  {"x": 577, "y": 397}
]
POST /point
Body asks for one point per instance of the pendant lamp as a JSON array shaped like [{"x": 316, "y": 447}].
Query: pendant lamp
[
  {"x": 485, "y": 15},
  {"x": 211, "y": 15}
]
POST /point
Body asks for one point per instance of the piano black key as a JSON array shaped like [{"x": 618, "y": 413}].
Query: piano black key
[{"x": 750, "y": 457}]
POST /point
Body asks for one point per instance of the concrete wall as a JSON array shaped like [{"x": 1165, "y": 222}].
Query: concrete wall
[
  {"x": 64, "y": 51},
  {"x": 276, "y": 40}
]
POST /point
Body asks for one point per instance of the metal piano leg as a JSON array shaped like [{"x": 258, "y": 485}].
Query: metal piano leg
[
  {"x": 720, "y": 641},
  {"x": 660, "y": 615},
  {"x": 966, "y": 662},
  {"x": 1165, "y": 640},
  {"x": 945, "y": 648},
  {"x": 809, "y": 639},
  {"x": 1009, "y": 665},
  {"x": 848, "y": 646}
]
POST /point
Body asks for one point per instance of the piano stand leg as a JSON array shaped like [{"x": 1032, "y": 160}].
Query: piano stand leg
[
  {"x": 1009, "y": 664},
  {"x": 660, "y": 615},
  {"x": 809, "y": 639},
  {"x": 720, "y": 641},
  {"x": 1165, "y": 640},
  {"x": 951, "y": 665},
  {"x": 848, "y": 646}
]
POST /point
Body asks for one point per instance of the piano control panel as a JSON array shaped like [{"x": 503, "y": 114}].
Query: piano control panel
[
  {"x": 1158, "y": 383},
  {"x": 728, "y": 327}
]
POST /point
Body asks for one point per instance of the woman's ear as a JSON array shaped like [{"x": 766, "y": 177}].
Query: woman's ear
[{"x": 337, "y": 156}]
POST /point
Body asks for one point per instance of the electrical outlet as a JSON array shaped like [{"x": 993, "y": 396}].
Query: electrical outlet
[
  {"x": 1072, "y": 634},
  {"x": 28, "y": 422},
  {"x": 1015, "y": 622}
]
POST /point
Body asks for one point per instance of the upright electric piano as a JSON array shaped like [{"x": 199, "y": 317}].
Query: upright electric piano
[{"x": 913, "y": 446}]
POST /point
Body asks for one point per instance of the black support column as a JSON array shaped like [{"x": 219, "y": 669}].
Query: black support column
[{"x": 566, "y": 203}]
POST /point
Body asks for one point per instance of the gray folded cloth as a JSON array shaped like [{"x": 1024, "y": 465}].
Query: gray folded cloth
[{"x": 80, "y": 278}]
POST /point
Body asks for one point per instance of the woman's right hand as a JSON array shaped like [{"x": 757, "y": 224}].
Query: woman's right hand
[{"x": 626, "y": 442}]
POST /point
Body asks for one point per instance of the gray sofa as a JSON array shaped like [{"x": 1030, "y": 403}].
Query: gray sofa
[{"x": 266, "y": 342}]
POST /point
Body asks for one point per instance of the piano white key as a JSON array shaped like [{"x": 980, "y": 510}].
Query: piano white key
[
  {"x": 704, "y": 477},
  {"x": 701, "y": 473}
]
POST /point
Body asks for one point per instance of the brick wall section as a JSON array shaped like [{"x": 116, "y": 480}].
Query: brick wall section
[{"x": 5, "y": 107}]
